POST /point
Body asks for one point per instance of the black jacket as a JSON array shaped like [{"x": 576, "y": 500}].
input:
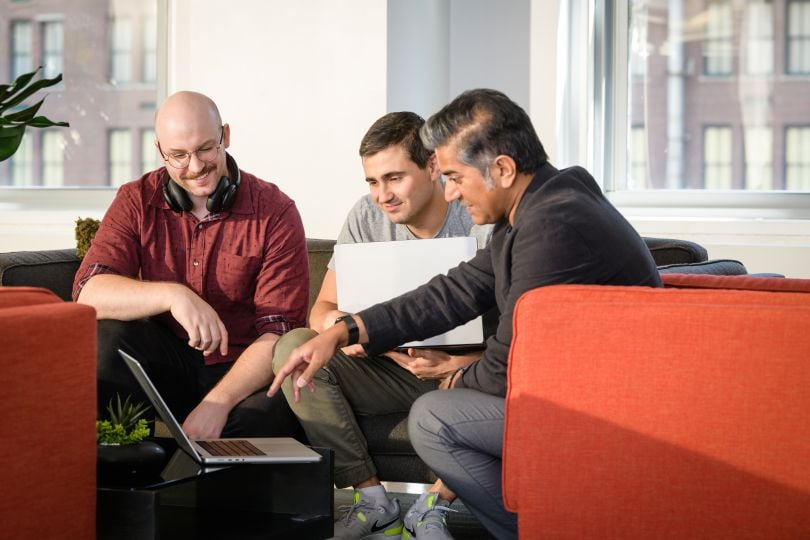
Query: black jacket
[{"x": 565, "y": 231}]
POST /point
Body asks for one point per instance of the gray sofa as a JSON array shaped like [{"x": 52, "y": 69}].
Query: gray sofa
[{"x": 387, "y": 435}]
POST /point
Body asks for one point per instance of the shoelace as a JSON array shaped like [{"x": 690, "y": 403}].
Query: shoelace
[
  {"x": 434, "y": 524},
  {"x": 350, "y": 509}
]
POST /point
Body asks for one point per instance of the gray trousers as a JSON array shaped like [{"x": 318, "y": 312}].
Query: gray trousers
[
  {"x": 459, "y": 435},
  {"x": 346, "y": 388}
]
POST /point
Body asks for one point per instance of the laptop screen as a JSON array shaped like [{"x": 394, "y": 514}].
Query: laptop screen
[{"x": 373, "y": 272}]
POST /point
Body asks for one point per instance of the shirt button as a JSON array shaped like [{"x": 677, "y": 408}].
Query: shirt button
[
  {"x": 196, "y": 262},
  {"x": 199, "y": 227}
]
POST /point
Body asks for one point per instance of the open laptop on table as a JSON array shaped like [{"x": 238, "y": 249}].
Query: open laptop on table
[
  {"x": 368, "y": 273},
  {"x": 222, "y": 451}
]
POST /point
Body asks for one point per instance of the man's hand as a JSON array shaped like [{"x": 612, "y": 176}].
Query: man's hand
[
  {"x": 307, "y": 359},
  {"x": 355, "y": 351},
  {"x": 207, "y": 420},
  {"x": 431, "y": 363},
  {"x": 206, "y": 331}
]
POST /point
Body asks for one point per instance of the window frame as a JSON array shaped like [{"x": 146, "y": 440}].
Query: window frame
[{"x": 595, "y": 77}]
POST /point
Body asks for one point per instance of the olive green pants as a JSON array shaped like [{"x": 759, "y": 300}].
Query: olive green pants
[{"x": 345, "y": 388}]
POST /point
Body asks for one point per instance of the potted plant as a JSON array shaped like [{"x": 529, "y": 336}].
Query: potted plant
[
  {"x": 123, "y": 454},
  {"x": 14, "y": 117}
]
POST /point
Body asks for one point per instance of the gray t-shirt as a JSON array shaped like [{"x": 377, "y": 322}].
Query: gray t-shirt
[{"x": 367, "y": 223}]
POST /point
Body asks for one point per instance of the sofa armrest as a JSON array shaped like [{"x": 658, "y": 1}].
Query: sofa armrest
[
  {"x": 48, "y": 407},
  {"x": 51, "y": 269},
  {"x": 659, "y": 413}
]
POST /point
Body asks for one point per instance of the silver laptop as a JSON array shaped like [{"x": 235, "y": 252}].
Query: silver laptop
[
  {"x": 372, "y": 272},
  {"x": 222, "y": 451}
]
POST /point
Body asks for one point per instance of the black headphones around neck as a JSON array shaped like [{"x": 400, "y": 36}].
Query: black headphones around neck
[{"x": 221, "y": 199}]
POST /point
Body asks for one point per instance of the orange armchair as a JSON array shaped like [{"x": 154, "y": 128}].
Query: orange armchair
[
  {"x": 48, "y": 411},
  {"x": 661, "y": 413}
]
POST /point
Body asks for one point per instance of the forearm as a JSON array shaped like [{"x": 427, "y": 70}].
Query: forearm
[
  {"x": 126, "y": 299},
  {"x": 323, "y": 315},
  {"x": 251, "y": 371}
]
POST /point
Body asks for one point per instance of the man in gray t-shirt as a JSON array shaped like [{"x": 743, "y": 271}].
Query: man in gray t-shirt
[
  {"x": 366, "y": 222},
  {"x": 405, "y": 202}
]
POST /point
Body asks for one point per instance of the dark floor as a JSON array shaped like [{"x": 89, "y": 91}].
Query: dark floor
[{"x": 463, "y": 526}]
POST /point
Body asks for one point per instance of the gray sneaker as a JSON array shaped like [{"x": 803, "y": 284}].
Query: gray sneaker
[
  {"x": 427, "y": 520},
  {"x": 367, "y": 521}
]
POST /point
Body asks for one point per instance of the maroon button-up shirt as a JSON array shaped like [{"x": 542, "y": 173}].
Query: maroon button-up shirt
[{"x": 249, "y": 263}]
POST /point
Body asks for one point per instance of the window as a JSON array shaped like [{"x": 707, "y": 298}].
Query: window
[
  {"x": 121, "y": 51},
  {"x": 149, "y": 70},
  {"x": 797, "y": 158},
  {"x": 21, "y": 48},
  {"x": 52, "y": 48},
  {"x": 638, "y": 158},
  {"x": 22, "y": 163},
  {"x": 701, "y": 132},
  {"x": 758, "y": 38},
  {"x": 717, "y": 157},
  {"x": 120, "y": 149},
  {"x": 798, "y": 37},
  {"x": 718, "y": 55},
  {"x": 758, "y": 158},
  {"x": 53, "y": 150},
  {"x": 150, "y": 159},
  {"x": 83, "y": 40}
]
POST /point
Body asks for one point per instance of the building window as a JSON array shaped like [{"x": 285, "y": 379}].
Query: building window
[
  {"x": 718, "y": 47},
  {"x": 150, "y": 159},
  {"x": 121, "y": 51},
  {"x": 638, "y": 158},
  {"x": 797, "y": 158},
  {"x": 22, "y": 163},
  {"x": 758, "y": 158},
  {"x": 149, "y": 67},
  {"x": 717, "y": 157},
  {"x": 758, "y": 38},
  {"x": 21, "y": 48},
  {"x": 53, "y": 151},
  {"x": 120, "y": 152},
  {"x": 52, "y": 48},
  {"x": 88, "y": 42},
  {"x": 798, "y": 37}
]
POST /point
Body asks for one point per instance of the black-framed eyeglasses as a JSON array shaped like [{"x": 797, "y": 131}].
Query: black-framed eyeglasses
[{"x": 207, "y": 153}]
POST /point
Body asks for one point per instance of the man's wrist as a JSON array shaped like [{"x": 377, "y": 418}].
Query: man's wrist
[{"x": 351, "y": 327}]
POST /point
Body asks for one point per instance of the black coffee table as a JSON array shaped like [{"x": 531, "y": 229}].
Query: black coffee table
[{"x": 240, "y": 501}]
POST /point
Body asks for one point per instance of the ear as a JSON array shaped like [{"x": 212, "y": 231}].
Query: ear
[
  {"x": 226, "y": 135},
  {"x": 433, "y": 167},
  {"x": 503, "y": 171}
]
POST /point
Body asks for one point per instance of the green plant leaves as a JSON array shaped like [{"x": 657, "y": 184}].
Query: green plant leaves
[
  {"x": 13, "y": 124},
  {"x": 125, "y": 424},
  {"x": 10, "y": 139}
]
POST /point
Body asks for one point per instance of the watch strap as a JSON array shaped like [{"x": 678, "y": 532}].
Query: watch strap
[{"x": 351, "y": 326}]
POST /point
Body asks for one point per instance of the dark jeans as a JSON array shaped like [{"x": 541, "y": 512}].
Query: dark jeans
[
  {"x": 182, "y": 378},
  {"x": 459, "y": 435}
]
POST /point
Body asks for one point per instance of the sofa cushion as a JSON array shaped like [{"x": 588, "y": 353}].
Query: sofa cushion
[
  {"x": 720, "y": 267},
  {"x": 748, "y": 282},
  {"x": 52, "y": 269},
  {"x": 667, "y": 251}
]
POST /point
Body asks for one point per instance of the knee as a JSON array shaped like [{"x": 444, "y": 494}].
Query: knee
[
  {"x": 424, "y": 421},
  {"x": 289, "y": 341},
  {"x": 112, "y": 335}
]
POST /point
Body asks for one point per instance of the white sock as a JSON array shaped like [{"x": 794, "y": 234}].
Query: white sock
[{"x": 377, "y": 494}]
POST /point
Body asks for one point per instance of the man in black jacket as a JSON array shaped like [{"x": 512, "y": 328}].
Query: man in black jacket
[{"x": 551, "y": 226}]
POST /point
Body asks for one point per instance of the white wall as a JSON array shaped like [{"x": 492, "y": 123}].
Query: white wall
[{"x": 299, "y": 83}]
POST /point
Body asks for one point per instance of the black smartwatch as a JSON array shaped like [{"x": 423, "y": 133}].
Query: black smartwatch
[{"x": 351, "y": 326}]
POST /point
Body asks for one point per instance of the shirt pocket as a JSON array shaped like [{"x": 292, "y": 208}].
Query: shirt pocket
[{"x": 235, "y": 278}]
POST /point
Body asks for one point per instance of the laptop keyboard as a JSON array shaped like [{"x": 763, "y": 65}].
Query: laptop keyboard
[{"x": 230, "y": 448}]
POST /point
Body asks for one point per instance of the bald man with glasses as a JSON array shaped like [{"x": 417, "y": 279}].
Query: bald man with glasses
[{"x": 197, "y": 269}]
